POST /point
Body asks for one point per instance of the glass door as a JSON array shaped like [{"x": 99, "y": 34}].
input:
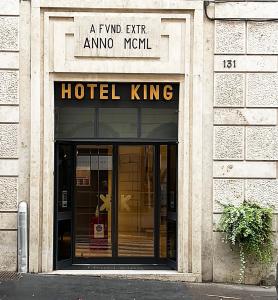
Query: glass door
[
  {"x": 93, "y": 198},
  {"x": 136, "y": 201},
  {"x": 116, "y": 204}
]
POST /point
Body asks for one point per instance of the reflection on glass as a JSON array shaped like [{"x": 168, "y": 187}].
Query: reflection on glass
[
  {"x": 172, "y": 203},
  {"x": 64, "y": 239},
  {"x": 77, "y": 122},
  {"x": 172, "y": 161},
  {"x": 64, "y": 201},
  {"x": 171, "y": 240},
  {"x": 117, "y": 122},
  {"x": 163, "y": 201},
  {"x": 73, "y": 122},
  {"x": 65, "y": 165},
  {"x": 93, "y": 192},
  {"x": 159, "y": 123},
  {"x": 136, "y": 201}
]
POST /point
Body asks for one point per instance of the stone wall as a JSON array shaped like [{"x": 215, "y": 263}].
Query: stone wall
[
  {"x": 245, "y": 130},
  {"x": 245, "y": 137},
  {"x": 9, "y": 122}
]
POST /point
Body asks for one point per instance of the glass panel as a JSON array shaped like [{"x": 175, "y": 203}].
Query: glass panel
[
  {"x": 93, "y": 194},
  {"x": 163, "y": 201},
  {"x": 172, "y": 203},
  {"x": 65, "y": 165},
  {"x": 117, "y": 122},
  {"x": 64, "y": 201},
  {"x": 64, "y": 239},
  {"x": 72, "y": 122},
  {"x": 172, "y": 188},
  {"x": 159, "y": 123},
  {"x": 136, "y": 201},
  {"x": 171, "y": 240}
]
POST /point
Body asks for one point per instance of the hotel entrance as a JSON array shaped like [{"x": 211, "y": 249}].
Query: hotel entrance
[
  {"x": 117, "y": 204},
  {"x": 116, "y": 184}
]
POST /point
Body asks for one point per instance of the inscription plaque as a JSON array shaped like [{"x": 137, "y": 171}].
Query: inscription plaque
[{"x": 117, "y": 36}]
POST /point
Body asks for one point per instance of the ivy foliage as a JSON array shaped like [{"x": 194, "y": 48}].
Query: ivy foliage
[{"x": 248, "y": 226}]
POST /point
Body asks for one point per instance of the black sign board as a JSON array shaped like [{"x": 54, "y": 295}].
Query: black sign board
[{"x": 116, "y": 94}]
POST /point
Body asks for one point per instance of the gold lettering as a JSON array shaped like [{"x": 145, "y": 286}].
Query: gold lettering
[
  {"x": 154, "y": 92},
  {"x": 66, "y": 91},
  {"x": 79, "y": 91},
  {"x": 145, "y": 92},
  {"x": 114, "y": 96},
  {"x": 103, "y": 92},
  {"x": 92, "y": 87},
  {"x": 168, "y": 92},
  {"x": 134, "y": 92}
]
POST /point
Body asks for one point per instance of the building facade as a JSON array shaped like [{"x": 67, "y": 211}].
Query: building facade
[{"x": 125, "y": 125}]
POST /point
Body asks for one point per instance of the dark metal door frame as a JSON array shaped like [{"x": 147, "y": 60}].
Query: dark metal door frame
[
  {"x": 114, "y": 230},
  {"x": 59, "y": 216},
  {"x": 173, "y": 216}
]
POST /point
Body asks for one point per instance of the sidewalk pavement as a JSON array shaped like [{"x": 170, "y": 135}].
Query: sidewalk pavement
[{"x": 66, "y": 287}]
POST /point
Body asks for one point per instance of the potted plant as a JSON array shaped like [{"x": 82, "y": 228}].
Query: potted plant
[{"x": 248, "y": 228}]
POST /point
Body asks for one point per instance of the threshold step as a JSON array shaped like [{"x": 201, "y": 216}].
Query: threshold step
[
  {"x": 164, "y": 275},
  {"x": 118, "y": 267}
]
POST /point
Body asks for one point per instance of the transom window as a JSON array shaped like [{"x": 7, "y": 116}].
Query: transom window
[{"x": 134, "y": 114}]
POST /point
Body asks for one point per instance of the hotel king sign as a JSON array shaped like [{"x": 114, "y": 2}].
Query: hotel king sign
[
  {"x": 99, "y": 93},
  {"x": 117, "y": 36}
]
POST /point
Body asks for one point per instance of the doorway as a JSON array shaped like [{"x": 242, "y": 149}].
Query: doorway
[{"x": 115, "y": 204}]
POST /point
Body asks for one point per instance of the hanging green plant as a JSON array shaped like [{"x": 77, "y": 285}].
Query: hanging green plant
[{"x": 248, "y": 227}]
